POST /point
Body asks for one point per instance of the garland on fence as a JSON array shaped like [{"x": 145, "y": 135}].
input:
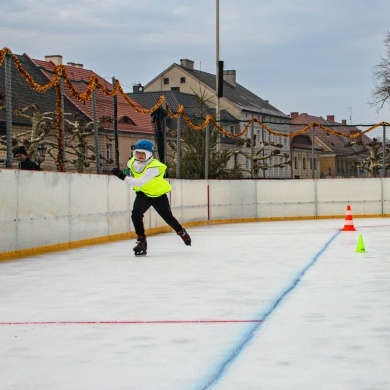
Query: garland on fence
[{"x": 61, "y": 73}]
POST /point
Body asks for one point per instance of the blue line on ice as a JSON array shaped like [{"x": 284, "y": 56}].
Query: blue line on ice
[{"x": 223, "y": 366}]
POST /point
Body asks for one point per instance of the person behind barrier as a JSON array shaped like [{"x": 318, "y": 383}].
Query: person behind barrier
[{"x": 24, "y": 162}]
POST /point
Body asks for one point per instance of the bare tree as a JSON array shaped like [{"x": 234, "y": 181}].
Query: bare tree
[
  {"x": 381, "y": 92},
  {"x": 263, "y": 161},
  {"x": 80, "y": 152},
  {"x": 375, "y": 152},
  {"x": 41, "y": 125}
]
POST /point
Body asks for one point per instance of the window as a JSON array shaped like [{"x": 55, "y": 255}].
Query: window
[
  {"x": 296, "y": 162},
  {"x": 166, "y": 80},
  {"x": 108, "y": 151},
  {"x": 127, "y": 120},
  {"x": 304, "y": 163},
  {"x": 182, "y": 80}
]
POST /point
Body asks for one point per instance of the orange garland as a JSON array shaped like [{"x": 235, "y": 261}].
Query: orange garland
[{"x": 61, "y": 72}]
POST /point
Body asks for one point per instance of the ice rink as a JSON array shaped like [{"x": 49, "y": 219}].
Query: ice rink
[{"x": 271, "y": 305}]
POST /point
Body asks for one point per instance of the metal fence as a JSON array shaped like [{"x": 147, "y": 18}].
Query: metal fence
[
  {"x": 276, "y": 149},
  {"x": 305, "y": 159},
  {"x": 340, "y": 150}
]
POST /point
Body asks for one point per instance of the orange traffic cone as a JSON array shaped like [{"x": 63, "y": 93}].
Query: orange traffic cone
[{"x": 348, "y": 224}]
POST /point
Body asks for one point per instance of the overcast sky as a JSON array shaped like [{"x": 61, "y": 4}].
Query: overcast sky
[{"x": 312, "y": 56}]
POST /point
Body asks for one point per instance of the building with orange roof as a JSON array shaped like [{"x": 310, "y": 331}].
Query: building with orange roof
[
  {"x": 114, "y": 146},
  {"x": 333, "y": 155}
]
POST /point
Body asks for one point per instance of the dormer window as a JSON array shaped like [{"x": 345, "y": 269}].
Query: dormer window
[{"x": 126, "y": 119}]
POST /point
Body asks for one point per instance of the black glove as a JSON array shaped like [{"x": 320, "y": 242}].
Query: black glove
[{"x": 118, "y": 173}]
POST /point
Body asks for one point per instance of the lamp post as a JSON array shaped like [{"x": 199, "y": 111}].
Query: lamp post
[
  {"x": 41, "y": 154},
  {"x": 218, "y": 75}
]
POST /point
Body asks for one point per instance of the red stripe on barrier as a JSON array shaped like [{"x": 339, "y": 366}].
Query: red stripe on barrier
[
  {"x": 208, "y": 202},
  {"x": 126, "y": 322}
]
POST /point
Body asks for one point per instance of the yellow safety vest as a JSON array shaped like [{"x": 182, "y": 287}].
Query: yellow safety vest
[{"x": 155, "y": 187}]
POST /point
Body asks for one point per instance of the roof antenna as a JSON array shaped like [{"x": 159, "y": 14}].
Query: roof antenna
[{"x": 350, "y": 114}]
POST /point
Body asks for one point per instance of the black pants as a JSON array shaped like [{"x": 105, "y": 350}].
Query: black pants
[{"x": 161, "y": 204}]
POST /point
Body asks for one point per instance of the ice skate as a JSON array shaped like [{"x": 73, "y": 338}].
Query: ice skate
[
  {"x": 140, "y": 248},
  {"x": 185, "y": 237}
]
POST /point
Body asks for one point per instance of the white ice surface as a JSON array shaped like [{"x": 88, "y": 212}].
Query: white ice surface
[{"x": 279, "y": 305}]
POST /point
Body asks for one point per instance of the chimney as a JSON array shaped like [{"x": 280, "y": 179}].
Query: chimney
[
  {"x": 330, "y": 118},
  {"x": 187, "y": 64},
  {"x": 138, "y": 88},
  {"x": 344, "y": 122},
  {"x": 75, "y": 65},
  {"x": 230, "y": 77},
  {"x": 294, "y": 115},
  {"x": 55, "y": 59}
]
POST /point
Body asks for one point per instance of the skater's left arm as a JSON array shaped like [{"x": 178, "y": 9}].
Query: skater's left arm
[{"x": 139, "y": 182}]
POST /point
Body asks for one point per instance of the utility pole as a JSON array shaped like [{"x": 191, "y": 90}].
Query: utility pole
[
  {"x": 218, "y": 76},
  {"x": 8, "y": 107},
  {"x": 217, "y": 116},
  {"x": 115, "y": 112}
]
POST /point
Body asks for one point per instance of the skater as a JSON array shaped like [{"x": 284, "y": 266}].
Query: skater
[{"x": 147, "y": 178}]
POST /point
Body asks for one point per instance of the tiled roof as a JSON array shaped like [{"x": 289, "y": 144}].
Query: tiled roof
[
  {"x": 23, "y": 95},
  {"x": 173, "y": 98},
  {"x": 104, "y": 104},
  {"x": 336, "y": 143},
  {"x": 237, "y": 94},
  {"x": 176, "y": 99}
]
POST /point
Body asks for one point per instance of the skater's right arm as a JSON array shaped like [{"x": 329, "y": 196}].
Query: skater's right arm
[{"x": 118, "y": 173}]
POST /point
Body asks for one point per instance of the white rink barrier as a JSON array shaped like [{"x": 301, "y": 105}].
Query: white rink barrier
[{"x": 46, "y": 211}]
